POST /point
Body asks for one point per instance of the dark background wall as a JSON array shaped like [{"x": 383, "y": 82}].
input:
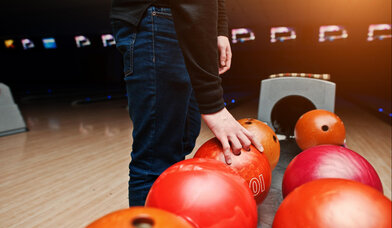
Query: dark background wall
[{"x": 357, "y": 66}]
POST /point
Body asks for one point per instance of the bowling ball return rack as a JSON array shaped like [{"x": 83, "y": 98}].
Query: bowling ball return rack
[
  {"x": 267, "y": 210},
  {"x": 315, "y": 88}
]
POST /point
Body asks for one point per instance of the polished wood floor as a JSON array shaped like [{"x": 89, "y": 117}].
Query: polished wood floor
[{"x": 72, "y": 166}]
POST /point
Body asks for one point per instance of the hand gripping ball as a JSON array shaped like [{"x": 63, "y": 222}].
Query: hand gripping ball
[
  {"x": 266, "y": 136},
  {"x": 251, "y": 165}
]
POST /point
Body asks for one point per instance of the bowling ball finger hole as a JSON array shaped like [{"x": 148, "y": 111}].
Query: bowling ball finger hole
[
  {"x": 248, "y": 122},
  {"x": 274, "y": 137},
  {"x": 143, "y": 222},
  {"x": 325, "y": 128}
]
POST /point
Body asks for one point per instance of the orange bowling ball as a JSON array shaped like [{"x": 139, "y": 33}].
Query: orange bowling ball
[
  {"x": 266, "y": 136},
  {"x": 140, "y": 217},
  {"x": 252, "y": 166},
  {"x": 318, "y": 127},
  {"x": 327, "y": 203}
]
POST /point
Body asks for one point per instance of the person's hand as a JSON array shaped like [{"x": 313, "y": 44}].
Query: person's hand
[
  {"x": 230, "y": 133},
  {"x": 224, "y": 54}
]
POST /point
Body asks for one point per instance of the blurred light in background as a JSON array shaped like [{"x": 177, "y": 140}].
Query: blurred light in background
[
  {"x": 282, "y": 34},
  {"x": 239, "y": 35},
  {"x": 379, "y": 31},
  {"x": 27, "y": 44},
  {"x": 9, "y": 44},
  {"x": 108, "y": 40},
  {"x": 82, "y": 41},
  {"x": 242, "y": 35},
  {"x": 49, "y": 43},
  {"x": 332, "y": 32}
]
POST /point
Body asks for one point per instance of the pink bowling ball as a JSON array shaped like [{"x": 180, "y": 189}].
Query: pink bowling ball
[{"x": 329, "y": 161}]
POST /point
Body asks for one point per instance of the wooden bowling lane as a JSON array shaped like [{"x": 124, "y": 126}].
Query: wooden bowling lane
[{"x": 72, "y": 166}]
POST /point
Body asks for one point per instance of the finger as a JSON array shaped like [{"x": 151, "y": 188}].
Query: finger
[
  {"x": 245, "y": 142},
  {"x": 222, "y": 57},
  {"x": 228, "y": 57},
  {"x": 223, "y": 69},
  {"x": 235, "y": 145},
  {"x": 255, "y": 142},
  {"x": 226, "y": 150}
]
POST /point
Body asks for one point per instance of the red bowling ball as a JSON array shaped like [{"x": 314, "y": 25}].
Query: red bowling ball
[
  {"x": 140, "y": 217},
  {"x": 318, "y": 127},
  {"x": 329, "y": 161},
  {"x": 205, "y": 192},
  {"x": 339, "y": 203},
  {"x": 251, "y": 165}
]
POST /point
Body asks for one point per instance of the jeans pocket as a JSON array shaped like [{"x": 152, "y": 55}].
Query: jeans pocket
[
  {"x": 125, "y": 36},
  {"x": 164, "y": 14}
]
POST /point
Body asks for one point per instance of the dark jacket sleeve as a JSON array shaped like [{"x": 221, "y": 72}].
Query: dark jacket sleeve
[
  {"x": 196, "y": 27},
  {"x": 222, "y": 19}
]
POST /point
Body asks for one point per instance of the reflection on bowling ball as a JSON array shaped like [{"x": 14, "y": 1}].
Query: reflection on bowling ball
[
  {"x": 318, "y": 127},
  {"x": 251, "y": 165},
  {"x": 205, "y": 192},
  {"x": 327, "y": 203},
  {"x": 329, "y": 161}
]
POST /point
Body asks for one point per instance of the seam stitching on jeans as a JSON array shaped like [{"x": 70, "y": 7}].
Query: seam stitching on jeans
[
  {"x": 155, "y": 84},
  {"x": 131, "y": 52}
]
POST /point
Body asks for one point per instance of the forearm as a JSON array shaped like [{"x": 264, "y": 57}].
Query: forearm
[
  {"x": 196, "y": 28},
  {"x": 222, "y": 19}
]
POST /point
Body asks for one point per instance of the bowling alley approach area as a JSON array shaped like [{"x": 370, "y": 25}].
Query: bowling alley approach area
[
  {"x": 196, "y": 114},
  {"x": 71, "y": 167}
]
